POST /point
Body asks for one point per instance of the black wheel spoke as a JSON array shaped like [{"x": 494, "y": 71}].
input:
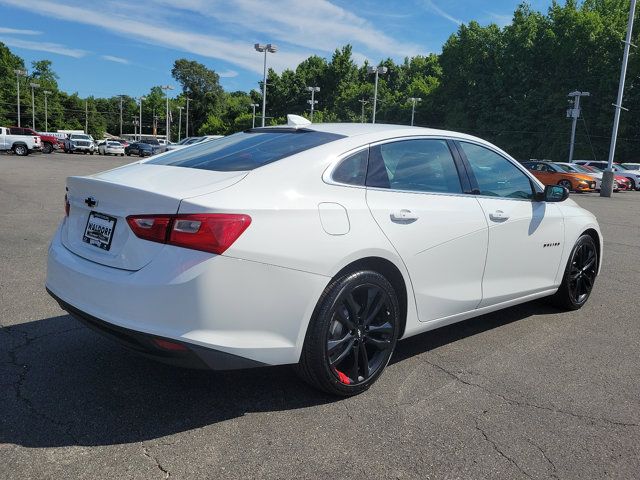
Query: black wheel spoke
[
  {"x": 380, "y": 344},
  {"x": 352, "y": 305},
  {"x": 344, "y": 317},
  {"x": 384, "y": 329},
  {"x": 334, "y": 345},
  {"x": 355, "y": 373},
  {"x": 348, "y": 348},
  {"x": 373, "y": 313},
  {"x": 364, "y": 360}
]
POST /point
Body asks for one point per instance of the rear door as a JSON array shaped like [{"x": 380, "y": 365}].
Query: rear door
[
  {"x": 526, "y": 237},
  {"x": 417, "y": 196}
]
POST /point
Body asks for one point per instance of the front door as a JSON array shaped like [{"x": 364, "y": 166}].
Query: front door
[
  {"x": 414, "y": 193},
  {"x": 526, "y": 237}
]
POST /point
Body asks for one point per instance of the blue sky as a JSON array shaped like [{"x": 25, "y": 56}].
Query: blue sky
[{"x": 111, "y": 47}]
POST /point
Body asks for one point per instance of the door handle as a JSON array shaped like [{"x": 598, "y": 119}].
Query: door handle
[
  {"x": 403, "y": 215},
  {"x": 498, "y": 216}
]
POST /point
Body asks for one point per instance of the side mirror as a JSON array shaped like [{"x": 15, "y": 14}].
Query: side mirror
[{"x": 553, "y": 193}]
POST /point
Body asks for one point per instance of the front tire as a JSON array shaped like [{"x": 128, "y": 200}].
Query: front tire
[
  {"x": 352, "y": 334},
  {"x": 47, "y": 148},
  {"x": 579, "y": 275},
  {"x": 566, "y": 184}
]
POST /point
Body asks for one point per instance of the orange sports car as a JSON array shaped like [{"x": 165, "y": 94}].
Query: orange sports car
[{"x": 551, "y": 174}]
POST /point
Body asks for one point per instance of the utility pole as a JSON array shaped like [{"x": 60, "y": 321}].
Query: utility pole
[
  {"x": 606, "y": 188},
  {"x": 33, "y": 104},
  {"x": 253, "y": 114},
  {"x": 268, "y": 48},
  {"x": 363, "y": 102},
  {"x": 186, "y": 127},
  {"x": 46, "y": 119},
  {"x": 135, "y": 126},
  {"x": 86, "y": 117},
  {"x": 312, "y": 102},
  {"x": 413, "y": 101},
  {"x": 166, "y": 89},
  {"x": 120, "y": 115},
  {"x": 180, "y": 122},
  {"x": 19, "y": 73},
  {"x": 574, "y": 113},
  {"x": 141, "y": 99},
  {"x": 155, "y": 123},
  {"x": 377, "y": 71}
]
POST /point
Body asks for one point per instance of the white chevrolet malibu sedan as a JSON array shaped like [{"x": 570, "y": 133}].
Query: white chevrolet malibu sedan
[{"x": 314, "y": 245}]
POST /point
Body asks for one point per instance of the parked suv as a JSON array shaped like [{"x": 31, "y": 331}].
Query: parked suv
[
  {"x": 20, "y": 144},
  {"x": 79, "y": 142}
]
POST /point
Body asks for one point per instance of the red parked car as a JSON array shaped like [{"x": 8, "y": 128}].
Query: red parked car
[
  {"x": 49, "y": 142},
  {"x": 623, "y": 182}
]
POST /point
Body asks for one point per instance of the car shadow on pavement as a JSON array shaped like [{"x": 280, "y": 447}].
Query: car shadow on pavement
[{"x": 61, "y": 384}]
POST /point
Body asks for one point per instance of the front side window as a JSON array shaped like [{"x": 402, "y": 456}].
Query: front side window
[
  {"x": 496, "y": 176},
  {"x": 414, "y": 165},
  {"x": 353, "y": 169},
  {"x": 246, "y": 150}
]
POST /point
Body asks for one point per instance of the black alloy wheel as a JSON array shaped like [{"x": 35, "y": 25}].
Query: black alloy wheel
[
  {"x": 579, "y": 276},
  {"x": 352, "y": 334}
]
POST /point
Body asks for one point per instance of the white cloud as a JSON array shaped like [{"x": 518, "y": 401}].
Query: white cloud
[
  {"x": 227, "y": 74},
  {"x": 111, "y": 58},
  {"x": 16, "y": 31},
  {"x": 430, "y": 5},
  {"x": 44, "y": 47}
]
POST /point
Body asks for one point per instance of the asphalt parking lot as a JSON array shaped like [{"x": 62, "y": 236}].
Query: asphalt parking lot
[{"x": 528, "y": 392}]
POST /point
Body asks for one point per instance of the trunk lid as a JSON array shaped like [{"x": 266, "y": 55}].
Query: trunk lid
[{"x": 107, "y": 198}]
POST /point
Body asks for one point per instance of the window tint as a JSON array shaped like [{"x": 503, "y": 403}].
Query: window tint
[
  {"x": 246, "y": 150},
  {"x": 353, "y": 169},
  {"x": 496, "y": 176},
  {"x": 417, "y": 165}
]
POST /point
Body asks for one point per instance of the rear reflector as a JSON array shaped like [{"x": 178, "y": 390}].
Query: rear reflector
[{"x": 209, "y": 232}]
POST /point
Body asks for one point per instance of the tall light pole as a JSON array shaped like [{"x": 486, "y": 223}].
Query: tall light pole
[
  {"x": 253, "y": 114},
  {"x": 180, "y": 122},
  {"x": 606, "y": 189},
  {"x": 377, "y": 71},
  {"x": 166, "y": 89},
  {"x": 413, "y": 101},
  {"x": 268, "y": 48},
  {"x": 86, "y": 117},
  {"x": 186, "y": 127},
  {"x": 33, "y": 103},
  {"x": 363, "y": 102},
  {"x": 46, "y": 119},
  {"x": 140, "y": 116},
  {"x": 312, "y": 102},
  {"x": 135, "y": 126},
  {"x": 574, "y": 113},
  {"x": 19, "y": 73},
  {"x": 121, "y": 114}
]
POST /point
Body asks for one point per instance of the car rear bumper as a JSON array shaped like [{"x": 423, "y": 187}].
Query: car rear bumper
[
  {"x": 175, "y": 353},
  {"x": 246, "y": 309}
]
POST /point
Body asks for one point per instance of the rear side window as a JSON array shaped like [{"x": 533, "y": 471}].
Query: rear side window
[
  {"x": 414, "y": 165},
  {"x": 353, "y": 169},
  {"x": 496, "y": 176},
  {"x": 246, "y": 150}
]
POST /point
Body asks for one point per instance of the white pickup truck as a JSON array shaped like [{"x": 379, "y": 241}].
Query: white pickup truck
[{"x": 19, "y": 144}]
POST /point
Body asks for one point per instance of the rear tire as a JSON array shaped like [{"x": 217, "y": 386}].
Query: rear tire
[
  {"x": 21, "y": 150},
  {"x": 47, "y": 148},
  {"x": 579, "y": 275},
  {"x": 352, "y": 334}
]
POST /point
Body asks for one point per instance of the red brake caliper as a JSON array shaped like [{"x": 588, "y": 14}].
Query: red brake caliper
[{"x": 343, "y": 378}]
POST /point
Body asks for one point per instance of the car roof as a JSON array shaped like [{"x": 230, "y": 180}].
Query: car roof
[{"x": 383, "y": 129}]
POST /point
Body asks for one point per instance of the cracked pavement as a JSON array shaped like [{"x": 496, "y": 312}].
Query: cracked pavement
[{"x": 528, "y": 392}]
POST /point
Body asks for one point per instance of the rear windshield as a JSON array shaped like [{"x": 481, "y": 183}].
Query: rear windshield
[{"x": 246, "y": 150}]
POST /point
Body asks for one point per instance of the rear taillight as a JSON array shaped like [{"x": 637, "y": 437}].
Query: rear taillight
[
  {"x": 150, "y": 227},
  {"x": 209, "y": 232}
]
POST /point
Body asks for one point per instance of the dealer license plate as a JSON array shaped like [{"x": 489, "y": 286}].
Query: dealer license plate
[{"x": 99, "y": 230}]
